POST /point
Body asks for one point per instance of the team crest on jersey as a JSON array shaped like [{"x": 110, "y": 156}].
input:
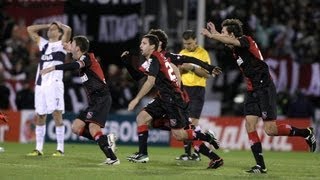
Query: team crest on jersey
[
  {"x": 173, "y": 122},
  {"x": 84, "y": 78},
  {"x": 89, "y": 115},
  {"x": 146, "y": 64},
  {"x": 264, "y": 114}
]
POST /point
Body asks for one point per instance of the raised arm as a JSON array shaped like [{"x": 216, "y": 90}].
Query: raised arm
[
  {"x": 212, "y": 33},
  {"x": 66, "y": 32},
  {"x": 34, "y": 29},
  {"x": 135, "y": 74}
]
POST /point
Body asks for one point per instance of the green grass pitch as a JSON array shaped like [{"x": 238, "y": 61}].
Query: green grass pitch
[{"x": 82, "y": 162}]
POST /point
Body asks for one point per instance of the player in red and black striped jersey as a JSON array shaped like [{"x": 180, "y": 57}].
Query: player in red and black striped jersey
[
  {"x": 89, "y": 123},
  {"x": 260, "y": 98},
  {"x": 170, "y": 102}
]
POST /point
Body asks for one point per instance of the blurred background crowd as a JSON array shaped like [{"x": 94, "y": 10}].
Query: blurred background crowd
[{"x": 282, "y": 29}]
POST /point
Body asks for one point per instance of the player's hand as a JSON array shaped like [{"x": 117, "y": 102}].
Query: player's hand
[
  {"x": 186, "y": 67},
  {"x": 3, "y": 117},
  {"x": 125, "y": 53},
  {"x": 216, "y": 71},
  {"x": 212, "y": 28},
  {"x": 133, "y": 104},
  {"x": 205, "y": 32},
  {"x": 47, "y": 70}
]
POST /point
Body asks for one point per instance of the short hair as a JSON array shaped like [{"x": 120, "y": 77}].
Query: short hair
[
  {"x": 189, "y": 34},
  {"x": 233, "y": 26},
  {"x": 153, "y": 40},
  {"x": 82, "y": 42},
  {"x": 162, "y": 36}
]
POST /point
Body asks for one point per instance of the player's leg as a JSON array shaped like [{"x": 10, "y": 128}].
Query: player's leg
[
  {"x": 143, "y": 119},
  {"x": 215, "y": 160},
  {"x": 278, "y": 128},
  {"x": 55, "y": 102},
  {"x": 40, "y": 131}
]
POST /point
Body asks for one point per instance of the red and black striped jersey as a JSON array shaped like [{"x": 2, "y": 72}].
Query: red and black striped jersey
[
  {"x": 251, "y": 63},
  {"x": 169, "y": 89},
  {"x": 92, "y": 75}
]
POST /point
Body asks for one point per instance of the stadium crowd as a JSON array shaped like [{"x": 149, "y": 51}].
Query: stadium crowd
[{"x": 280, "y": 27}]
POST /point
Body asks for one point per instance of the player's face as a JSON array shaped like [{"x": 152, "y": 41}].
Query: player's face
[
  {"x": 225, "y": 32},
  {"x": 53, "y": 32},
  {"x": 74, "y": 49},
  {"x": 190, "y": 44},
  {"x": 145, "y": 48}
]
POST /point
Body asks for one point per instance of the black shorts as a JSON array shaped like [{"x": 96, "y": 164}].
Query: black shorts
[
  {"x": 262, "y": 103},
  {"x": 98, "y": 110},
  {"x": 196, "y": 96},
  {"x": 177, "y": 114}
]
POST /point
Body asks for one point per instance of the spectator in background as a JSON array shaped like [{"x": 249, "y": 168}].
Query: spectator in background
[
  {"x": 25, "y": 97},
  {"x": 4, "y": 93}
]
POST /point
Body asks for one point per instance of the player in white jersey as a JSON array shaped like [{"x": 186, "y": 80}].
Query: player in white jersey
[{"x": 49, "y": 90}]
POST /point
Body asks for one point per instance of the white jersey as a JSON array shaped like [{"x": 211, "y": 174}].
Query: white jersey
[{"x": 52, "y": 53}]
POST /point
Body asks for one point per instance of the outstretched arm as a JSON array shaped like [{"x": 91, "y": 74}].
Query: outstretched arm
[
  {"x": 135, "y": 74},
  {"x": 178, "y": 59},
  {"x": 67, "y": 66},
  {"x": 212, "y": 33}
]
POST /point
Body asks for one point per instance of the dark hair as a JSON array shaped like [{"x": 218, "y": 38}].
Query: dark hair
[
  {"x": 233, "y": 26},
  {"x": 153, "y": 40},
  {"x": 189, "y": 34},
  {"x": 82, "y": 42},
  {"x": 162, "y": 36}
]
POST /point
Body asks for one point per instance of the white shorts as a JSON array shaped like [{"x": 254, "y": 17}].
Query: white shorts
[{"x": 49, "y": 98}]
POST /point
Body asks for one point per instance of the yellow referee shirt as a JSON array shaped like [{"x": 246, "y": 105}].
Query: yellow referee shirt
[{"x": 190, "y": 78}]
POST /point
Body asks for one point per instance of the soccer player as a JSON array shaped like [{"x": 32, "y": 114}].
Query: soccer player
[
  {"x": 194, "y": 81},
  {"x": 89, "y": 123},
  {"x": 171, "y": 101},
  {"x": 49, "y": 90},
  {"x": 260, "y": 96}
]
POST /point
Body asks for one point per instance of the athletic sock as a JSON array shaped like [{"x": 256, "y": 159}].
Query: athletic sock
[
  {"x": 60, "y": 137},
  {"x": 256, "y": 148},
  {"x": 187, "y": 147},
  {"x": 40, "y": 133},
  {"x": 203, "y": 149},
  {"x": 102, "y": 141},
  {"x": 196, "y": 135},
  {"x": 143, "y": 134},
  {"x": 299, "y": 132}
]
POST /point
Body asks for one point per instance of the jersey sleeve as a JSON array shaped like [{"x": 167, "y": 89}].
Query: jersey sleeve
[
  {"x": 154, "y": 66},
  {"x": 85, "y": 61}
]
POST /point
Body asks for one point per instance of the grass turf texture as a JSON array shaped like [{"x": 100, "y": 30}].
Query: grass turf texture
[{"x": 81, "y": 161}]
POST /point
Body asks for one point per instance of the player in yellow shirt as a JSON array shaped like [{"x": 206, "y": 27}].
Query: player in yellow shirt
[{"x": 194, "y": 80}]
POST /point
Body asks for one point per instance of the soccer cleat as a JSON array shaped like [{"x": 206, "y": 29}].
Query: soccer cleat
[
  {"x": 140, "y": 158},
  {"x": 35, "y": 153},
  {"x": 183, "y": 157},
  {"x": 112, "y": 141},
  {"x": 111, "y": 162},
  {"x": 311, "y": 140},
  {"x": 132, "y": 156},
  {"x": 215, "y": 163},
  {"x": 212, "y": 139},
  {"x": 257, "y": 170},
  {"x": 58, "y": 153},
  {"x": 195, "y": 157}
]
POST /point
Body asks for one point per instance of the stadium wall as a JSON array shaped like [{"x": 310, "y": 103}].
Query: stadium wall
[{"x": 230, "y": 131}]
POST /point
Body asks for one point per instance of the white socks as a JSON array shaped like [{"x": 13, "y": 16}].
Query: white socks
[
  {"x": 40, "y": 132},
  {"x": 60, "y": 137}
]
